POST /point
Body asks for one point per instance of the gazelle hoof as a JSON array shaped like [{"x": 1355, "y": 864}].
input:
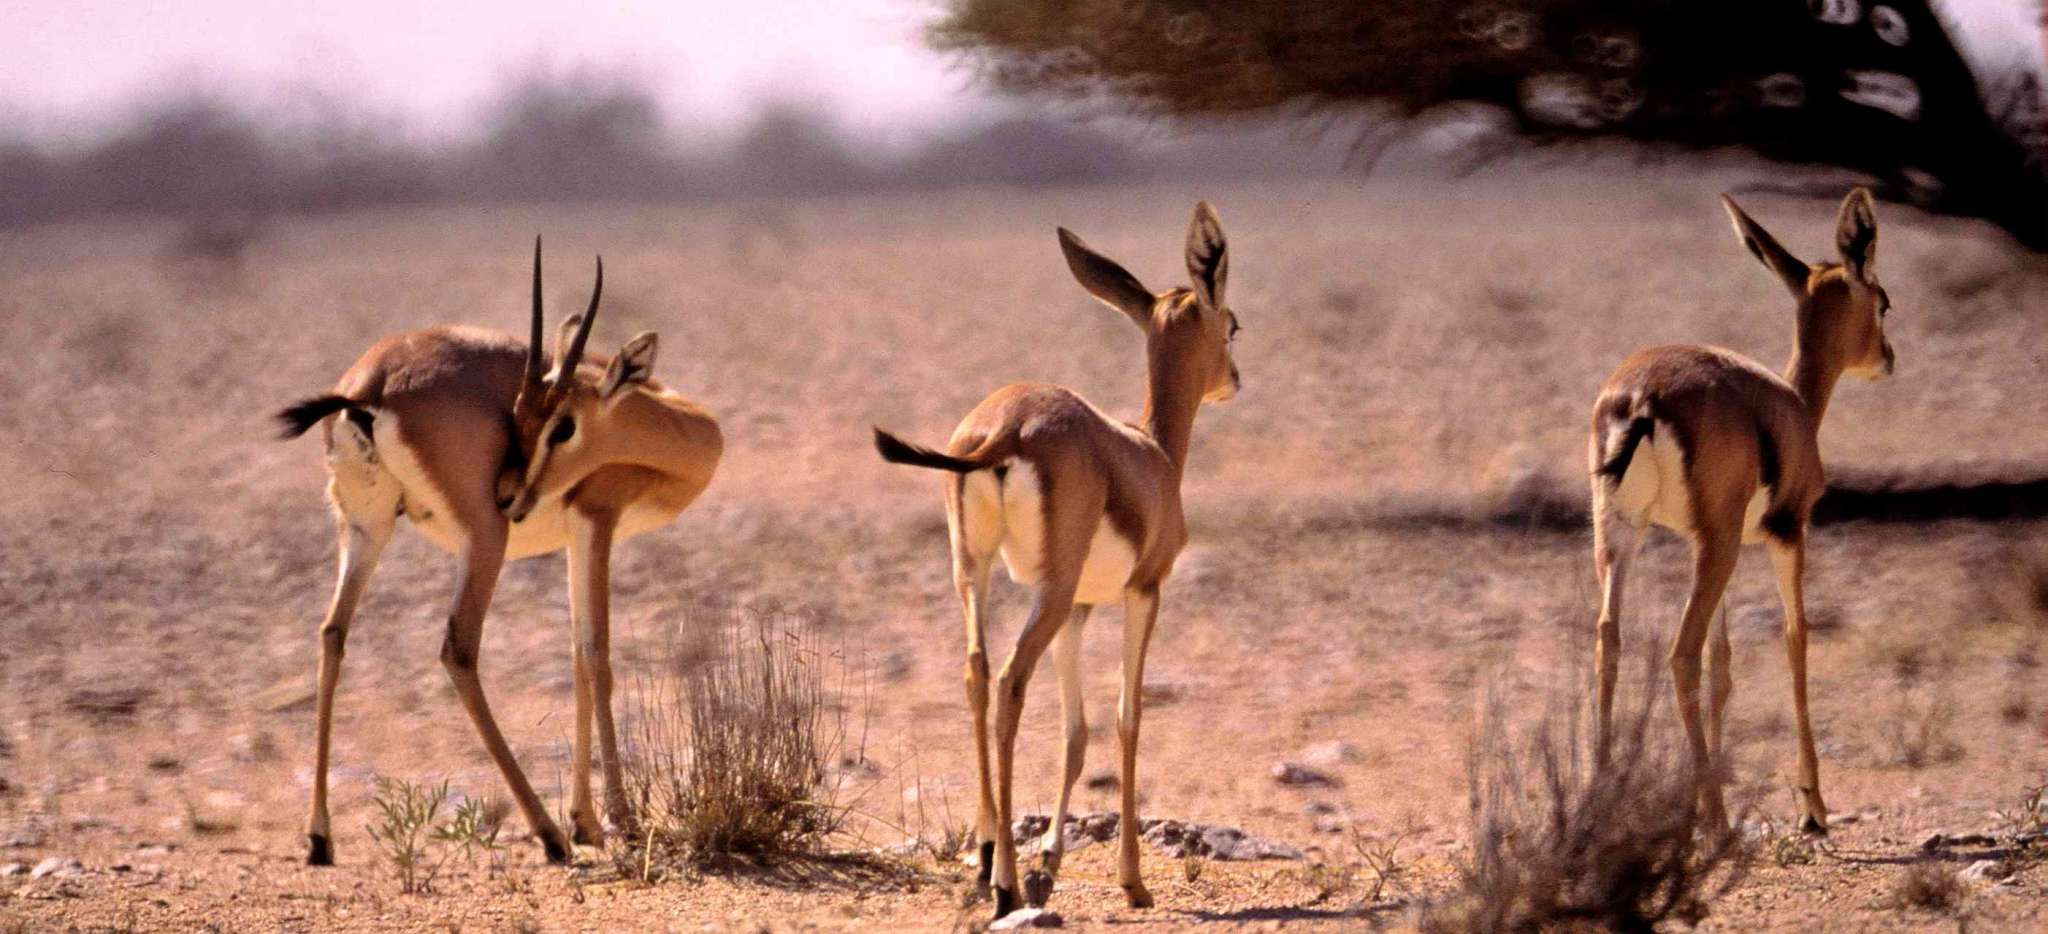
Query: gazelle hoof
[
  {"x": 558, "y": 855},
  {"x": 1006, "y": 902},
  {"x": 1037, "y": 888},
  {"x": 319, "y": 851},
  {"x": 1812, "y": 827},
  {"x": 987, "y": 863},
  {"x": 1136, "y": 896}
]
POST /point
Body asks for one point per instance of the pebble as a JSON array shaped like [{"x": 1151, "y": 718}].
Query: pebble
[
  {"x": 1293, "y": 773},
  {"x": 1985, "y": 870},
  {"x": 13, "y": 869},
  {"x": 1324, "y": 755},
  {"x": 57, "y": 866},
  {"x": 1028, "y": 918}
]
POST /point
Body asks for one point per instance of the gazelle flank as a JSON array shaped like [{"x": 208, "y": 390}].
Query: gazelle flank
[
  {"x": 460, "y": 431},
  {"x": 1086, "y": 510},
  {"x": 1712, "y": 445}
]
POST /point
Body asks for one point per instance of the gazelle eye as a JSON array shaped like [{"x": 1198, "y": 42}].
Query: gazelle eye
[{"x": 563, "y": 431}]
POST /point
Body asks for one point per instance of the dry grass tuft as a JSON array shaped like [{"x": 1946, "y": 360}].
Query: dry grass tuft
[
  {"x": 727, "y": 752},
  {"x": 1560, "y": 843},
  {"x": 1927, "y": 886}
]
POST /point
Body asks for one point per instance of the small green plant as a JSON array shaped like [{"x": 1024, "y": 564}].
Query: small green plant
[
  {"x": 1191, "y": 867},
  {"x": 405, "y": 823},
  {"x": 473, "y": 830},
  {"x": 1326, "y": 880},
  {"x": 1381, "y": 858},
  {"x": 1791, "y": 849}
]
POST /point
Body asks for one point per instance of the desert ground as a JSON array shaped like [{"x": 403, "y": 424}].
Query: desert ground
[{"x": 1375, "y": 551}]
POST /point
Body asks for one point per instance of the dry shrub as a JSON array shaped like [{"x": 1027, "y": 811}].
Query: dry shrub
[
  {"x": 1928, "y": 886},
  {"x": 1559, "y": 843},
  {"x": 728, "y": 744}
]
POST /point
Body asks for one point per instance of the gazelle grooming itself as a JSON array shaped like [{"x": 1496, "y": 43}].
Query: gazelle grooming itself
[
  {"x": 462, "y": 431},
  {"x": 1087, "y": 510},
  {"x": 1711, "y": 444}
]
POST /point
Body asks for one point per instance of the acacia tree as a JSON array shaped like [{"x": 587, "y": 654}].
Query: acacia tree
[{"x": 1874, "y": 86}]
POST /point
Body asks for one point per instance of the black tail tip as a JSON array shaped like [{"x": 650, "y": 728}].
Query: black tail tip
[{"x": 295, "y": 419}]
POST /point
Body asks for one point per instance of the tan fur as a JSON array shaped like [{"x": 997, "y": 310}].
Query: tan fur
[
  {"x": 1111, "y": 508},
  {"x": 1732, "y": 455},
  {"x": 451, "y": 408}
]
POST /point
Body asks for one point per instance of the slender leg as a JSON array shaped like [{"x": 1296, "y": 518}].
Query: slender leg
[
  {"x": 589, "y": 601},
  {"x": 1714, "y": 554},
  {"x": 1066, "y": 662},
  {"x": 1788, "y": 558},
  {"x": 1615, "y": 545},
  {"x": 970, "y": 578},
  {"x": 1720, "y": 683},
  {"x": 482, "y": 556},
  {"x": 361, "y": 545},
  {"x": 1054, "y": 607},
  {"x": 1141, "y": 612}
]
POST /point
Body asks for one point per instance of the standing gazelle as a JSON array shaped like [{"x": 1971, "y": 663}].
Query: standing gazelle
[
  {"x": 461, "y": 431},
  {"x": 1711, "y": 444},
  {"x": 1086, "y": 509}
]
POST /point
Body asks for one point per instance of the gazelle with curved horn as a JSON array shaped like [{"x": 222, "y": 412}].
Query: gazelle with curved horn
[
  {"x": 1086, "y": 509},
  {"x": 1711, "y": 444},
  {"x": 459, "y": 430}
]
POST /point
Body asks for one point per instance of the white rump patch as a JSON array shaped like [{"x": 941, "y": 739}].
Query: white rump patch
[
  {"x": 1653, "y": 488},
  {"x": 1105, "y": 570}
]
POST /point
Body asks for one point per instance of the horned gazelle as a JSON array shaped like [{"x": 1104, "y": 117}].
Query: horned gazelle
[
  {"x": 462, "y": 431},
  {"x": 1714, "y": 446},
  {"x": 1086, "y": 509}
]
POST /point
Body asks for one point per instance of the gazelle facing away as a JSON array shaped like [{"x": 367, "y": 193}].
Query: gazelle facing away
[
  {"x": 461, "y": 431},
  {"x": 1087, "y": 510},
  {"x": 1714, "y": 446}
]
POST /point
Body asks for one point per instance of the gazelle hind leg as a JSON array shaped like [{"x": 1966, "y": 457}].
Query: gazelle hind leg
[
  {"x": 1615, "y": 546},
  {"x": 1720, "y": 683},
  {"x": 1788, "y": 558},
  {"x": 1066, "y": 661},
  {"x": 363, "y": 538},
  {"x": 1141, "y": 613},
  {"x": 1049, "y": 614},
  {"x": 973, "y": 559},
  {"x": 1714, "y": 555}
]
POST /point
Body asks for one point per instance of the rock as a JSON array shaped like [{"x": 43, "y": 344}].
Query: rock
[
  {"x": 1291, "y": 773},
  {"x": 1325, "y": 755},
  {"x": 1160, "y": 693},
  {"x": 57, "y": 866},
  {"x": 1081, "y": 831},
  {"x": 1101, "y": 781},
  {"x": 1180, "y": 840},
  {"x": 1028, "y": 918},
  {"x": 13, "y": 869},
  {"x": 1985, "y": 870},
  {"x": 253, "y": 747},
  {"x": 107, "y": 703}
]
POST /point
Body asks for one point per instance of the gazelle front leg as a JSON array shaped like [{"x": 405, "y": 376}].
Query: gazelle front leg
[
  {"x": 590, "y": 609},
  {"x": 1615, "y": 545},
  {"x": 1714, "y": 555},
  {"x": 1066, "y": 662},
  {"x": 1141, "y": 612},
  {"x": 1720, "y": 683},
  {"x": 362, "y": 541},
  {"x": 483, "y": 555},
  {"x": 1788, "y": 558},
  {"x": 1048, "y": 615}
]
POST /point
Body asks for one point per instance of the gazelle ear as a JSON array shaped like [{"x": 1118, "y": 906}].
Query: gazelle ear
[
  {"x": 563, "y": 335},
  {"x": 633, "y": 365},
  {"x": 1107, "y": 281},
  {"x": 1856, "y": 235},
  {"x": 1208, "y": 255},
  {"x": 1789, "y": 269}
]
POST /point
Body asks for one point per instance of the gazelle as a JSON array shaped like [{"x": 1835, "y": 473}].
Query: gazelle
[
  {"x": 461, "y": 431},
  {"x": 1087, "y": 510},
  {"x": 1711, "y": 444}
]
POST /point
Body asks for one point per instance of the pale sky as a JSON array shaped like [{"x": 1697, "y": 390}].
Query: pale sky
[{"x": 434, "y": 61}]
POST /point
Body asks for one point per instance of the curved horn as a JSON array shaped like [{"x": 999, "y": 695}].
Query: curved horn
[
  {"x": 533, "y": 368},
  {"x": 574, "y": 355}
]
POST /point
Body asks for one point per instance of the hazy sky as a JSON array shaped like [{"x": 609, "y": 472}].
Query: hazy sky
[{"x": 434, "y": 61}]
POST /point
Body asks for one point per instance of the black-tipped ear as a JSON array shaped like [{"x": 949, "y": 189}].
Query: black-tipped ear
[
  {"x": 1108, "y": 282},
  {"x": 633, "y": 365},
  {"x": 1789, "y": 269},
  {"x": 1208, "y": 255},
  {"x": 1856, "y": 235}
]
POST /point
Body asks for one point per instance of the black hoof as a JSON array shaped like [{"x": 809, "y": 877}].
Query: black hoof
[
  {"x": 983, "y": 874},
  {"x": 1813, "y": 828},
  {"x": 582, "y": 837},
  {"x": 557, "y": 853},
  {"x": 1006, "y": 902},
  {"x": 1037, "y": 888},
  {"x": 319, "y": 852}
]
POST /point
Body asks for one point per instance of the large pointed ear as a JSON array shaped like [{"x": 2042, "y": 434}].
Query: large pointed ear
[
  {"x": 1208, "y": 255},
  {"x": 1789, "y": 269},
  {"x": 633, "y": 365},
  {"x": 563, "y": 335},
  {"x": 1856, "y": 236},
  {"x": 1106, "y": 280}
]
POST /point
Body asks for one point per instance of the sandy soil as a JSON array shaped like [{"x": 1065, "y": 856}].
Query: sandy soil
[{"x": 1416, "y": 357}]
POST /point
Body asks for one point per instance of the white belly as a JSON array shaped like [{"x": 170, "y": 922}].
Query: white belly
[
  {"x": 1653, "y": 490},
  {"x": 1111, "y": 556}
]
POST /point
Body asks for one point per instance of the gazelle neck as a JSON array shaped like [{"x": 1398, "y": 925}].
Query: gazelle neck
[
  {"x": 1171, "y": 398},
  {"x": 1812, "y": 375}
]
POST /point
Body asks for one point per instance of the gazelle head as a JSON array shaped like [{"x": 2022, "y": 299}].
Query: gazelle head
[
  {"x": 559, "y": 416},
  {"x": 1188, "y": 330},
  {"x": 1842, "y": 308}
]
